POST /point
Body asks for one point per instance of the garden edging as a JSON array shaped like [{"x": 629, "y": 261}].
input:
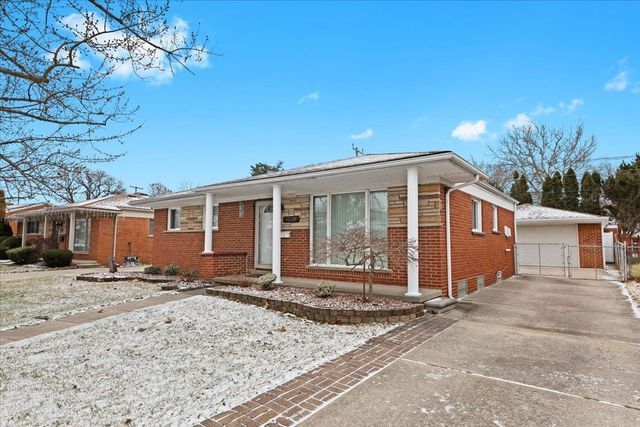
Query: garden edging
[{"x": 322, "y": 314}]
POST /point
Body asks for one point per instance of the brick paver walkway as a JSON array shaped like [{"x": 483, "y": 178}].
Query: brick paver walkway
[{"x": 295, "y": 400}]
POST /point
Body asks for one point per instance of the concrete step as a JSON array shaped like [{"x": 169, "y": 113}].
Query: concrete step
[{"x": 440, "y": 305}]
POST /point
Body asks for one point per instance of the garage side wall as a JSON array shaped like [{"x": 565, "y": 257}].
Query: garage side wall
[{"x": 590, "y": 241}]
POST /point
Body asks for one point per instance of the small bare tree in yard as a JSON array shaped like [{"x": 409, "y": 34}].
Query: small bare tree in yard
[
  {"x": 62, "y": 94},
  {"x": 538, "y": 151},
  {"x": 358, "y": 248}
]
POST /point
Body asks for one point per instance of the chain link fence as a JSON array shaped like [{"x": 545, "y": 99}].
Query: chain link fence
[{"x": 573, "y": 261}]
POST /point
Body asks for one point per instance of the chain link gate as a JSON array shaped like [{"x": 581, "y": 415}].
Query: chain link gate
[{"x": 573, "y": 261}]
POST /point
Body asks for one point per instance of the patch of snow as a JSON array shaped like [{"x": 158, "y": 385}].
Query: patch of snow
[
  {"x": 625, "y": 292},
  {"x": 23, "y": 300},
  {"x": 139, "y": 369}
]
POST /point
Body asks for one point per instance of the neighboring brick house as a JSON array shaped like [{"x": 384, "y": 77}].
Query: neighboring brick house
[
  {"x": 227, "y": 228},
  {"x": 580, "y": 233},
  {"x": 13, "y": 210},
  {"x": 94, "y": 229}
]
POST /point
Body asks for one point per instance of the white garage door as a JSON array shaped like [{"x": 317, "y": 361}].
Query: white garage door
[{"x": 542, "y": 244}]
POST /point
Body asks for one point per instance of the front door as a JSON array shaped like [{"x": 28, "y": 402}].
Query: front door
[{"x": 264, "y": 235}]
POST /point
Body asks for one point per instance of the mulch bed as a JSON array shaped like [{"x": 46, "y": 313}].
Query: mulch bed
[
  {"x": 121, "y": 277},
  {"x": 340, "y": 308}
]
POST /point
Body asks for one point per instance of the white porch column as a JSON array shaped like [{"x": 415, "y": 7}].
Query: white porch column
[
  {"x": 71, "y": 233},
  {"x": 208, "y": 224},
  {"x": 24, "y": 233},
  {"x": 44, "y": 233},
  {"x": 413, "y": 289},
  {"x": 277, "y": 220}
]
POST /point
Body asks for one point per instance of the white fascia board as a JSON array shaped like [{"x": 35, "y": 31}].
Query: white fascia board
[
  {"x": 598, "y": 220},
  {"x": 130, "y": 213},
  {"x": 173, "y": 203},
  {"x": 481, "y": 192}
]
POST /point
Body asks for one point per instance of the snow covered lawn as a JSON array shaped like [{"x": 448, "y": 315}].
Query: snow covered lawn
[
  {"x": 23, "y": 300},
  {"x": 172, "y": 364}
]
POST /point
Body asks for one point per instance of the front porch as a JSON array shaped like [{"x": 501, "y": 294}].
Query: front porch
[{"x": 380, "y": 290}]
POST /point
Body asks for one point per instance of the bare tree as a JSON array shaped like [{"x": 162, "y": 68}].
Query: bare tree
[
  {"x": 60, "y": 104},
  {"x": 500, "y": 175},
  {"x": 357, "y": 247},
  {"x": 539, "y": 151},
  {"x": 158, "y": 189},
  {"x": 82, "y": 183}
]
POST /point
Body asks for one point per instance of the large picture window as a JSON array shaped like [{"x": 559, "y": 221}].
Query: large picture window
[
  {"x": 334, "y": 214},
  {"x": 33, "y": 227},
  {"x": 81, "y": 240}
]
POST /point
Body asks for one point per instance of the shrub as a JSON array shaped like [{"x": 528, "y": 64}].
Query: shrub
[
  {"x": 171, "y": 270},
  {"x": 23, "y": 256},
  {"x": 5, "y": 230},
  {"x": 152, "y": 269},
  {"x": 325, "y": 289},
  {"x": 57, "y": 257},
  {"x": 190, "y": 275},
  {"x": 267, "y": 281},
  {"x": 9, "y": 243}
]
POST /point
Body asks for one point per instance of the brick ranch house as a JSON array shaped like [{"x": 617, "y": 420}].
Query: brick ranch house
[
  {"x": 581, "y": 233},
  {"x": 463, "y": 226},
  {"x": 94, "y": 229}
]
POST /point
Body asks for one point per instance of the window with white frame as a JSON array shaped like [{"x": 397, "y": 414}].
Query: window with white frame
[
  {"x": 476, "y": 215},
  {"x": 495, "y": 219},
  {"x": 173, "y": 222},
  {"x": 33, "y": 227},
  {"x": 215, "y": 218},
  {"x": 333, "y": 214},
  {"x": 81, "y": 239}
]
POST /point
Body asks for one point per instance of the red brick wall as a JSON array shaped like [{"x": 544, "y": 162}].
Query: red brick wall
[
  {"x": 474, "y": 255},
  {"x": 134, "y": 231},
  {"x": 232, "y": 243},
  {"x": 590, "y": 241}
]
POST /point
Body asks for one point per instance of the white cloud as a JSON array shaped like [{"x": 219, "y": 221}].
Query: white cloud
[
  {"x": 542, "y": 110},
  {"x": 154, "y": 64},
  {"x": 571, "y": 106},
  {"x": 518, "y": 121},
  {"x": 470, "y": 131},
  {"x": 618, "y": 83},
  {"x": 312, "y": 97},
  {"x": 362, "y": 135}
]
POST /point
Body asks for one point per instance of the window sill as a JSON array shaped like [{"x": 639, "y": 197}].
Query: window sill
[
  {"x": 495, "y": 231},
  {"x": 345, "y": 268},
  {"x": 477, "y": 233},
  {"x": 184, "y": 231}
]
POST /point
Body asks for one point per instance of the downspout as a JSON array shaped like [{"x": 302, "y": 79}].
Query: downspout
[
  {"x": 448, "y": 230},
  {"x": 115, "y": 236}
]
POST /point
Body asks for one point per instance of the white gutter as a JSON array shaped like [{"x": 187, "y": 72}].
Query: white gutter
[
  {"x": 448, "y": 231},
  {"x": 115, "y": 235}
]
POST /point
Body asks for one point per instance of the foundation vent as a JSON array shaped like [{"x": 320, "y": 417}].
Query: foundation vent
[{"x": 463, "y": 288}]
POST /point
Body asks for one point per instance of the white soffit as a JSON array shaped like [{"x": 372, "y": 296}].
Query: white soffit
[{"x": 488, "y": 196}]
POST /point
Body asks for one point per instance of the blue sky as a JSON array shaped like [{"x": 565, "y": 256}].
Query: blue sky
[{"x": 297, "y": 82}]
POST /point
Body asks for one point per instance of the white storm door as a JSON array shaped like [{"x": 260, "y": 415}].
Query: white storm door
[{"x": 264, "y": 234}]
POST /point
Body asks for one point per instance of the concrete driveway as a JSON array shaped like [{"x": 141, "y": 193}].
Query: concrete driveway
[{"x": 530, "y": 351}]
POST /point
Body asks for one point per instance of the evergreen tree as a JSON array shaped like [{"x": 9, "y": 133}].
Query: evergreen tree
[
  {"x": 547, "y": 193},
  {"x": 590, "y": 190},
  {"x": 557, "y": 190},
  {"x": 520, "y": 189},
  {"x": 571, "y": 191},
  {"x": 622, "y": 190}
]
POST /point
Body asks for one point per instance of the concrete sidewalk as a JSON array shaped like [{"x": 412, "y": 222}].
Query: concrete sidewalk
[
  {"x": 21, "y": 333},
  {"x": 531, "y": 351}
]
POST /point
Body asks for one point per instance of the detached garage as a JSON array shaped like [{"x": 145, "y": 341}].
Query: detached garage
[{"x": 556, "y": 240}]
